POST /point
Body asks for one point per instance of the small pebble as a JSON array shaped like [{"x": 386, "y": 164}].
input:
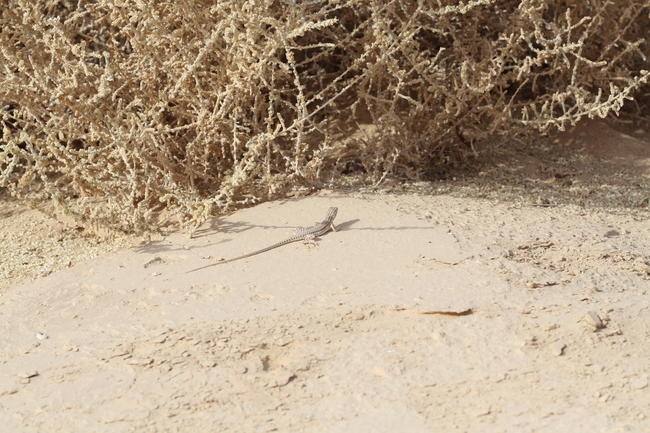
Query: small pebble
[
  {"x": 280, "y": 378},
  {"x": 593, "y": 319},
  {"x": 283, "y": 341},
  {"x": 8, "y": 391},
  {"x": 139, "y": 361},
  {"x": 160, "y": 339},
  {"x": 208, "y": 363},
  {"x": 558, "y": 348},
  {"x": 639, "y": 382}
]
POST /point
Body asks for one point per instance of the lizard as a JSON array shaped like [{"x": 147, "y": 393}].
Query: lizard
[{"x": 306, "y": 235}]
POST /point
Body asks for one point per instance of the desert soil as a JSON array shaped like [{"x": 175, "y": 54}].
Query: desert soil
[{"x": 511, "y": 296}]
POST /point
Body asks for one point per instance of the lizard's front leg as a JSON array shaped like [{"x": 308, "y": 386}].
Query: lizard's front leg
[{"x": 309, "y": 240}]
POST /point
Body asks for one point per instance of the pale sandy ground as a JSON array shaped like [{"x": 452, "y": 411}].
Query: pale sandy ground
[{"x": 423, "y": 313}]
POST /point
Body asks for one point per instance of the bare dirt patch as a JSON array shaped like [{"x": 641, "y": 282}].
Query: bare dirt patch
[{"x": 506, "y": 299}]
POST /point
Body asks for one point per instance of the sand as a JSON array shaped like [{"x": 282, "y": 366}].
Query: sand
[{"x": 426, "y": 311}]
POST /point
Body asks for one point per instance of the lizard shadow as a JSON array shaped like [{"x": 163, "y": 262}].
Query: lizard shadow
[
  {"x": 217, "y": 226},
  {"x": 228, "y": 229},
  {"x": 345, "y": 226}
]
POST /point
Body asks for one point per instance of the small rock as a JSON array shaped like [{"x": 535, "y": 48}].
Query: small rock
[
  {"x": 160, "y": 339},
  {"x": 139, "y": 361},
  {"x": 301, "y": 365},
  {"x": 281, "y": 378},
  {"x": 530, "y": 340},
  {"x": 639, "y": 382},
  {"x": 640, "y": 265},
  {"x": 27, "y": 375},
  {"x": 24, "y": 381},
  {"x": 8, "y": 391},
  {"x": 480, "y": 411},
  {"x": 593, "y": 320},
  {"x": 612, "y": 234},
  {"x": 207, "y": 363},
  {"x": 558, "y": 348},
  {"x": 121, "y": 350},
  {"x": 283, "y": 341},
  {"x": 41, "y": 336}
]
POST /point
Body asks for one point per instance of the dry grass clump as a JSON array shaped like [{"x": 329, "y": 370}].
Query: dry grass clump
[{"x": 134, "y": 113}]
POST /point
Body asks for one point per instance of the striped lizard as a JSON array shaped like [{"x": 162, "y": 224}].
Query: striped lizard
[{"x": 306, "y": 235}]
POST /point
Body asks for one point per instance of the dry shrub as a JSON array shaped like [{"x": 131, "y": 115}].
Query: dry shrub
[{"x": 130, "y": 114}]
